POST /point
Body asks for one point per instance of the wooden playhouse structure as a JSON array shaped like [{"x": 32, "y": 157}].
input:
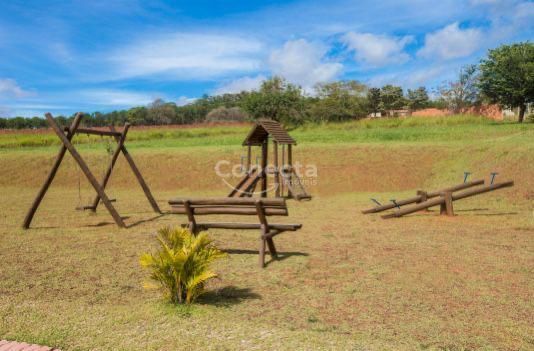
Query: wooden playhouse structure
[{"x": 286, "y": 181}]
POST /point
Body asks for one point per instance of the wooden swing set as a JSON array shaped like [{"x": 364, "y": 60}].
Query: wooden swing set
[{"x": 66, "y": 135}]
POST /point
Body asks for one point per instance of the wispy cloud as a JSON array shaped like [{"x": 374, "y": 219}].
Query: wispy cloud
[
  {"x": 186, "y": 56},
  {"x": 110, "y": 97},
  {"x": 9, "y": 87}
]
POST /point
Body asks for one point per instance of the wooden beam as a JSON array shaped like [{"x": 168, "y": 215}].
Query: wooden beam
[
  {"x": 276, "y": 170},
  {"x": 97, "y": 132},
  {"x": 140, "y": 178},
  {"x": 71, "y": 131},
  {"x": 249, "y": 158},
  {"x": 446, "y": 205},
  {"x": 114, "y": 158},
  {"x": 290, "y": 167},
  {"x": 264, "y": 155},
  {"x": 86, "y": 171},
  {"x": 181, "y": 209},
  {"x": 228, "y": 201}
]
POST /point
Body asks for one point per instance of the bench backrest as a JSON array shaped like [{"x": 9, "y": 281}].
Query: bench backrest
[{"x": 236, "y": 206}]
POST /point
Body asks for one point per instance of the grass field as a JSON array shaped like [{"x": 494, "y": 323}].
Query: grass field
[{"x": 345, "y": 281}]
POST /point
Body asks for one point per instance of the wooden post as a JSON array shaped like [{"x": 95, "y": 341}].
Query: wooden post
[
  {"x": 283, "y": 170},
  {"x": 423, "y": 196},
  {"x": 290, "y": 169},
  {"x": 264, "y": 229},
  {"x": 446, "y": 207},
  {"x": 264, "y": 155},
  {"x": 86, "y": 171},
  {"x": 140, "y": 178},
  {"x": 276, "y": 170},
  {"x": 72, "y": 130},
  {"x": 116, "y": 153},
  {"x": 249, "y": 156},
  {"x": 190, "y": 217}
]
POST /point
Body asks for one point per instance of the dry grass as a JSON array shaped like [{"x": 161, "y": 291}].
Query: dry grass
[{"x": 346, "y": 281}]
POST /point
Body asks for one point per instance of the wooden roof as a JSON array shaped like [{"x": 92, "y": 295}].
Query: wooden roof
[{"x": 264, "y": 128}]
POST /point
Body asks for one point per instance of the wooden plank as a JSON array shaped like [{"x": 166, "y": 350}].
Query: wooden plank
[
  {"x": 227, "y": 201},
  {"x": 236, "y": 190},
  {"x": 228, "y": 210},
  {"x": 229, "y": 225},
  {"x": 59, "y": 158},
  {"x": 85, "y": 169}
]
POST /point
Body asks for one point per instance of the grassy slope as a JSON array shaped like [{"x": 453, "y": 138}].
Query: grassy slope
[{"x": 348, "y": 281}]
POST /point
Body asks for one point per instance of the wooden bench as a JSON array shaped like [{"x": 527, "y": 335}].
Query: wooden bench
[{"x": 262, "y": 208}]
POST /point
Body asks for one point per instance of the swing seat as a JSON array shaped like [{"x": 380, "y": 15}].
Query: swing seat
[{"x": 89, "y": 207}]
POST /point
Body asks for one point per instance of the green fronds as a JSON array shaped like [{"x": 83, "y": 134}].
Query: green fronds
[{"x": 182, "y": 263}]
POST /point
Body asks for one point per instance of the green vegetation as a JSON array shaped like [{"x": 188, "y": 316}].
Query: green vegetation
[
  {"x": 507, "y": 76},
  {"x": 454, "y": 129},
  {"x": 181, "y": 266}
]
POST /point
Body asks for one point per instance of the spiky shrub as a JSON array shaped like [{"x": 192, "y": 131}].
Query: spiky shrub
[{"x": 181, "y": 265}]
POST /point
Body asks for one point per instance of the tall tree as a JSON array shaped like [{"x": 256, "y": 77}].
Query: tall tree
[
  {"x": 373, "y": 100},
  {"x": 339, "y": 101},
  {"x": 277, "y": 99},
  {"x": 507, "y": 76},
  {"x": 392, "y": 98},
  {"x": 463, "y": 92},
  {"x": 417, "y": 99}
]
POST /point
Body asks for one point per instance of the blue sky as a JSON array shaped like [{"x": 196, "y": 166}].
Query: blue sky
[{"x": 99, "y": 55}]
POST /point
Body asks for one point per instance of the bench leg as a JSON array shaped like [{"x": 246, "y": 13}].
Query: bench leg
[
  {"x": 262, "y": 252},
  {"x": 272, "y": 248}
]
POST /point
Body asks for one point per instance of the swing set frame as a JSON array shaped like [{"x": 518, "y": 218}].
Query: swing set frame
[{"x": 66, "y": 135}]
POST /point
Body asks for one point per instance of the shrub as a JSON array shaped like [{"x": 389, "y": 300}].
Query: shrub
[{"x": 181, "y": 265}]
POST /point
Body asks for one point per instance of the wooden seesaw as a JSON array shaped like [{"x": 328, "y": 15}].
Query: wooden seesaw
[{"x": 444, "y": 198}]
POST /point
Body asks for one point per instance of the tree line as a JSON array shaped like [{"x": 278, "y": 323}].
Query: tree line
[{"x": 505, "y": 76}]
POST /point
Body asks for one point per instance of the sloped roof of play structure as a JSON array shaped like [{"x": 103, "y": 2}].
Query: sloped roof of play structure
[{"x": 266, "y": 127}]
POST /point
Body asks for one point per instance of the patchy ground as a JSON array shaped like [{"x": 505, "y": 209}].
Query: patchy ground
[{"x": 345, "y": 281}]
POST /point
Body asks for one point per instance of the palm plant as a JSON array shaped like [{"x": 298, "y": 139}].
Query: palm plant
[{"x": 181, "y": 265}]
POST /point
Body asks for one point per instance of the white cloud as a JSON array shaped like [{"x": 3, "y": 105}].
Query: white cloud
[
  {"x": 377, "y": 50},
  {"x": 451, "y": 42},
  {"x": 241, "y": 84},
  {"x": 303, "y": 63},
  {"x": 187, "y": 56},
  {"x": 111, "y": 97},
  {"x": 10, "y": 88}
]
